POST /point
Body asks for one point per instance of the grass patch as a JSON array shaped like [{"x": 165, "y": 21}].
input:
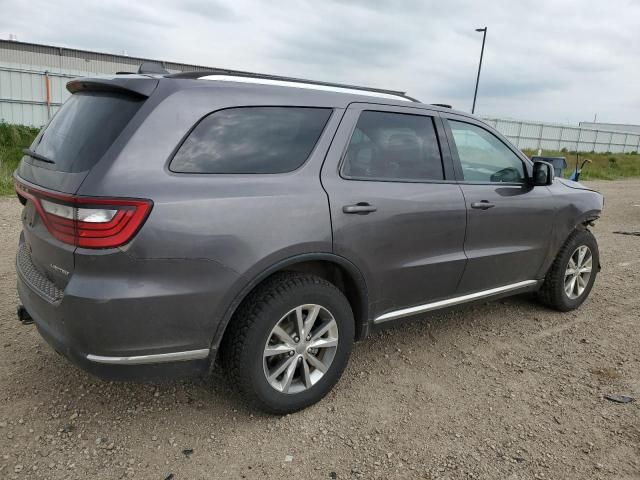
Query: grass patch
[
  {"x": 604, "y": 166},
  {"x": 13, "y": 138}
]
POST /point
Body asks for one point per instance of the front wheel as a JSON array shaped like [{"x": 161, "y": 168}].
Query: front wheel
[
  {"x": 289, "y": 342},
  {"x": 572, "y": 273}
]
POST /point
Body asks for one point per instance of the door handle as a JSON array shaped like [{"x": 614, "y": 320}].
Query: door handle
[
  {"x": 482, "y": 205},
  {"x": 361, "y": 208}
]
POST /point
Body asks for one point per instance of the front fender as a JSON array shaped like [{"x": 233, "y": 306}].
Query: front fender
[{"x": 575, "y": 209}]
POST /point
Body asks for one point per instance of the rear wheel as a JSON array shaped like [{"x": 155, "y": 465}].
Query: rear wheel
[
  {"x": 289, "y": 342},
  {"x": 572, "y": 274}
]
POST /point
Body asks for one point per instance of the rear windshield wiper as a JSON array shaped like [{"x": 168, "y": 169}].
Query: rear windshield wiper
[{"x": 37, "y": 156}]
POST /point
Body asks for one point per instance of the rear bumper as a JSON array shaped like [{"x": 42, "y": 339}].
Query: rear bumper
[
  {"x": 132, "y": 320},
  {"x": 52, "y": 329}
]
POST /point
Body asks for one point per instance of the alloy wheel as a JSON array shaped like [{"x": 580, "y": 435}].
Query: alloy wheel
[
  {"x": 578, "y": 272},
  {"x": 300, "y": 348}
]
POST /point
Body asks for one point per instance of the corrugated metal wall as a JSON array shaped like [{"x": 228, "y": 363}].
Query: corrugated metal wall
[
  {"x": 25, "y": 67},
  {"x": 535, "y": 135}
]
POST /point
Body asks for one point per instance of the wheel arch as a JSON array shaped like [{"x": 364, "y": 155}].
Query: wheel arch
[
  {"x": 333, "y": 268},
  {"x": 581, "y": 221}
]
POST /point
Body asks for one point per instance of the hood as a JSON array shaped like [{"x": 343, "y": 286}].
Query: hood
[{"x": 571, "y": 184}]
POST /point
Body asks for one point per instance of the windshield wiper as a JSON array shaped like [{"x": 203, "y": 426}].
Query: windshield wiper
[{"x": 37, "y": 156}]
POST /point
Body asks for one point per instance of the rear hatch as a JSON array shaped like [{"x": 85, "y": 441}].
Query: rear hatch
[{"x": 56, "y": 221}]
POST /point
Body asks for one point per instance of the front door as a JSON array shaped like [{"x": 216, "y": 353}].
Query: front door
[
  {"x": 509, "y": 222},
  {"x": 396, "y": 211}
]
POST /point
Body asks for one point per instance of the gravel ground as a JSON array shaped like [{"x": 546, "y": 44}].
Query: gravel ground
[{"x": 503, "y": 390}]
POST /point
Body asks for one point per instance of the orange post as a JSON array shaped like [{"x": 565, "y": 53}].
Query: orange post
[{"x": 47, "y": 88}]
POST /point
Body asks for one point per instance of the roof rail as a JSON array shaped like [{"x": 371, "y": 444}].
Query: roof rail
[
  {"x": 443, "y": 105},
  {"x": 226, "y": 74}
]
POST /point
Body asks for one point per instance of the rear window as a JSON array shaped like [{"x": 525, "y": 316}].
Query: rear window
[
  {"x": 251, "y": 140},
  {"x": 83, "y": 129},
  {"x": 390, "y": 146}
]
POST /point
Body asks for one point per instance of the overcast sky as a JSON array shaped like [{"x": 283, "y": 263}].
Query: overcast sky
[{"x": 552, "y": 60}]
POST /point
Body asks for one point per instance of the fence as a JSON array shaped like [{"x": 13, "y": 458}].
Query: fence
[
  {"x": 30, "y": 97},
  {"x": 548, "y": 136}
]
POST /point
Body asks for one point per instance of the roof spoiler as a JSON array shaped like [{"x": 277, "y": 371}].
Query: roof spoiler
[
  {"x": 136, "y": 86},
  {"x": 152, "y": 68}
]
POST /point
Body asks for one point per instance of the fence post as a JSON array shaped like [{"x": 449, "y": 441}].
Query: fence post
[
  {"x": 540, "y": 137},
  {"x": 519, "y": 135},
  {"x": 560, "y": 138},
  {"x": 578, "y": 141},
  {"x": 610, "y": 140},
  {"x": 47, "y": 88},
  {"x": 624, "y": 147}
]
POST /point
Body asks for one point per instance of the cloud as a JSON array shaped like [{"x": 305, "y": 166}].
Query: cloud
[
  {"x": 343, "y": 49},
  {"x": 546, "y": 60},
  {"x": 214, "y": 10}
]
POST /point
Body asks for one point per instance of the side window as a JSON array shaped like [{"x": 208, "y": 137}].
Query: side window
[
  {"x": 251, "y": 140},
  {"x": 484, "y": 157},
  {"x": 393, "y": 146}
]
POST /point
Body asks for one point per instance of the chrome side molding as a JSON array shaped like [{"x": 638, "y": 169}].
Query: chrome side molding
[
  {"x": 156, "y": 358},
  {"x": 427, "y": 307}
]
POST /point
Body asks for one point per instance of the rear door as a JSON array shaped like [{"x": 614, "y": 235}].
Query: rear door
[
  {"x": 396, "y": 211},
  {"x": 508, "y": 221},
  {"x": 61, "y": 156}
]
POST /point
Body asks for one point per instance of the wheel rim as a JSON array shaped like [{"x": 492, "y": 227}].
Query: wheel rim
[
  {"x": 578, "y": 272},
  {"x": 300, "y": 348}
]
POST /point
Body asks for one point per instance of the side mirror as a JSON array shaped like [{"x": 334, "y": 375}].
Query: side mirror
[{"x": 543, "y": 174}]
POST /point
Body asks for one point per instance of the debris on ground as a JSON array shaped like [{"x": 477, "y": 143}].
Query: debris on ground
[{"x": 619, "y": 398}]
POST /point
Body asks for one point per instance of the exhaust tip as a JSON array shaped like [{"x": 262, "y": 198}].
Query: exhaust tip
[{"x": 23, "y": 315}]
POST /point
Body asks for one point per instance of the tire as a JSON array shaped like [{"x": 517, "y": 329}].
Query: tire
[
  {"x": 554, "y": 292},
  {"x": 250, "y": 336}
]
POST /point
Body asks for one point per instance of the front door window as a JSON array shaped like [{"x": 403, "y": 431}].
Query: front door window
[{"x": 483, "y": 157}]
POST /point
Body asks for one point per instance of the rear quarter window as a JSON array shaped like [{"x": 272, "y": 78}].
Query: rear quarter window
[{"x": 251, "y": 140}]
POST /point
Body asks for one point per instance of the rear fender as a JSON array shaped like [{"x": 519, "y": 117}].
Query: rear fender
[{"x": 352, "y": 270}]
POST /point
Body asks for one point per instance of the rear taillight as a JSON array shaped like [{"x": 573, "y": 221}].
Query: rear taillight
[{"x": 88, "y": 222}]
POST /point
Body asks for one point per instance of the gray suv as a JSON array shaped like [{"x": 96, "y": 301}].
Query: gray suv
[{"x": 174, "y": 219}]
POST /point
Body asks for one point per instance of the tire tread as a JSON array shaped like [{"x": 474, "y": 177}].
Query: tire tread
[
  {"x": 550, "y": 294},
  {"x": 250, "y": 312}
]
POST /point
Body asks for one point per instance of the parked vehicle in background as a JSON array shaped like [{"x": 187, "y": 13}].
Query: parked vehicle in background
[{"x": 172, "y": 220}]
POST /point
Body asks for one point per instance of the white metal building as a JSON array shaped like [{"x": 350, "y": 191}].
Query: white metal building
[
  {"x": 619, "y": 127},
  {"x": 33, "y": 77}
]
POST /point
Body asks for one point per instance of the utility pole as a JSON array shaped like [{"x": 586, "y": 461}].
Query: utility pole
[{"x": 475, "y": 95}]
